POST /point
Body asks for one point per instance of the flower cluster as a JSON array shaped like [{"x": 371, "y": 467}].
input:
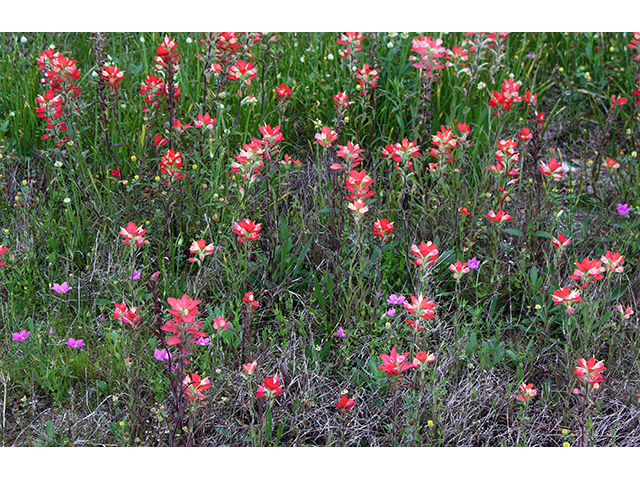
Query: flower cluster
[
  {"x": 350, "y": 153},
  {"x": 270, "y": 389},
  {"x": 588, "y": 371},
  {"x": 564, "y": 295},
  {"x": 201, "y": 250},
  {"x": 249, "y": 160},
  {"x": 382, "y": 229},
  {"x": 59, "y": 73},
  {"x": 193, "y": 386},
  {"x": 426, "y": 253},
  {"x": 170, "y": 166},
  {"x": 509, "y": 95},
  {"x": 350, "y": 39},
  {"x": 112, "y": 76},
  {"x": 366, "y": 76},
  {"x": 394, "y": 364},
  {"x": 129, "y": 316},
  {"x": 402, "y": 153},
  {"x": 247, "y": 230},
  {"x": 431, "y": 52},
  {"x": 445, "y": 142},
  {"x": 326, "y": 137},
  {"x": 184, "y": 327},
  {"x": 242, "y": 71},
  {"x": 133, "y": 235},
  {"x": 553, "y": 168}
]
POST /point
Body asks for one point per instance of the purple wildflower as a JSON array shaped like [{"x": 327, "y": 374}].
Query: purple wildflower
[
  {"x": 623, "y": 209},
  {"x": 341, "y": 333},
  {"x": 64, "y": 288},
  {"x": 73, "y": 343},
  {"x": 20, "y": 336},
  {"x": 161, "y": 355},
  {"x": 136, "y": 275},
  {"x": 395, "y": 300},
  {"x": 473, "y": 264},
  {"x": 391, "y": 312}
]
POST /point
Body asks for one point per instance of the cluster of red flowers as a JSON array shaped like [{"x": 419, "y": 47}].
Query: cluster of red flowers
[
  {"x": 431, "y": 52},
  {"x": 129, "y": 316},
  {"x": 444, "y": 144},
  {"x": 112, "y": 76},
  {"x": 349, "y": 39},
  {"x": 242, "y": 71},
  {"x": 351, "y": 155},
  {"x": 509, "y": 95},
  {"x": 366, "y": 76},
  {"x": 60, "y": 73},
  {"x": 184, "y": 328},
  {"x": 154, "y": 89},
  {"x": 170, "y": 166},
  {"x": 247, "y": 230},
  {"x": 402, "y": 153},
  {"x": 358, "y": 184}
]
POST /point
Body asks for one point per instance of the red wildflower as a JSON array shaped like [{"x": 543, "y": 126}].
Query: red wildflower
[
  {"x": 382, "y": 229},
  {"x": 563, "y": 295},
  {"x": 561, "y": 243},
  {"x": 205, "y": 121},
  {"x": 113, "y": 76},
  {"x": 201, "y": 249},
  {"x": 283, "y": 91},
  {"x": 459, "y": 269},
  {"x": 128, "y": 315},
  {"x": 133, "y": 233},
  {"x": 243, "y": 71},
  {"x": 250, "y": 301},
  {"x": 613, "y": 261},
  {"x": 553, "y": 168},
  {"x": 421, "y": 306},
  {"x": 426, "y": 253},
  {"x": 183, "y": 309},
  {"x": 588, "y": 371},
  {"x": 591, "y": 269},
  {"x": 326, "y": 137},
  {"x": 610, "y": 164},
  {"x": 194, "y": 386},
  {"x": 527, "y": 392},
  {"x": 358, "y": 184},
  {"x": 422, "y": 358},
  {"x": 247, "y": 230},
  {"x": 394, "y": 364},
  {"x": 170, "y": 165},
  {"x": 345, "y": 403},
  {"x": 499, "y": 216},
  {"x": 270, "y": 389}
]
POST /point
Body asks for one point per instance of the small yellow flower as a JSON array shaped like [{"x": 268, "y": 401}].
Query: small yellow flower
[
  {"x": 565, "y": 431},
  {"x": 612, "y": 49},
  {"x": 24, "y": 182},
  {"x": 430, "y": 423},
  {"x": 566, "y": 444},
  {"x": 195, "y": 167},
  {"x": 634, "y": 154},
  {"x": 157, "y": 179},
  {"x": 590, "y": 162},
  {"x": 121, "y": 424},
  {"x": 561, "y": 69},
  {"x": 147, "y": 222},
  {"x": 538, "y": 306},
  {"x": 115, "y": 282},
  {"x": 204, "y": 185},
  {"x": 136, "y": 177},
  {"x": 345, "y": 392},
  {"x": 134, "y": 158}
]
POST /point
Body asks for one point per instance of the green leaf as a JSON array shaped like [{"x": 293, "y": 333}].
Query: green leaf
[
  {"x": 542, "y": 234},
  {"x": 513, "y": 231}
]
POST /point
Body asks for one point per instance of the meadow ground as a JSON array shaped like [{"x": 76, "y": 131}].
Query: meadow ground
[{"x": 320, "y": 239}]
